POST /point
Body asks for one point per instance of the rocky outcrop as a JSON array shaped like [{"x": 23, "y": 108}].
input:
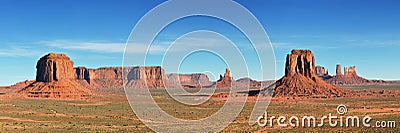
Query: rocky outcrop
[
  {"x": 320, "y": 71},
  {"x": 300, "y": 62},
  {"x": 301, "y": 80},
  {"x": 338, "y": 70},
  {"x": 54, "y": 67},
  {"x": 112, "y": 78},
  {"x": 196, "y": 80},
  {"x": 225, "y": 81},
  {"x": 152, "y": 75},
  {"x": 350, "y": 77},
  {"x": 350, "y": 72},
  {"x": 101, "y": 78},
  {"x": 247, "y": 82},
  {"x": 55, "y": 78}
]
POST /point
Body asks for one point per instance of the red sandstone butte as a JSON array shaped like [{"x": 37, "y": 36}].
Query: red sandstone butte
[
  {"x": 301, "y": 80},
  {"x": 55, "y": 78}
]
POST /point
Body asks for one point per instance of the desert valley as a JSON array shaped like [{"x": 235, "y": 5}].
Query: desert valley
[{"x": 64, "y": 97}]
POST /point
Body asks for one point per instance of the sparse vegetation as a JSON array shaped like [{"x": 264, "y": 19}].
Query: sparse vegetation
[{"x": 112, "y": 113}]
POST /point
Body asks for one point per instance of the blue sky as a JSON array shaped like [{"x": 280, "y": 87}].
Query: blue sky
[{"x": 364, "y": 33}]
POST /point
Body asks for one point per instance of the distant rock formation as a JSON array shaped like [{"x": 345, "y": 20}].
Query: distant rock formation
[
  {"x": 111, "y": 77},
  {"x": 106, "y": 77},
  {"x": 195, "y": 80},
  {"x": 322, "y": 72},
  {"x": 350, "y": 77},
  {"x": 338, "y": 70},
  {"x": 55, "y": 78},
  {"x": 152, "y": 75},
  {"x": 301, "y": 79},
  {"x": 226, "y": 80},
  {"x": 247, "y": 82},
  {"x": 350, "y": 72}
]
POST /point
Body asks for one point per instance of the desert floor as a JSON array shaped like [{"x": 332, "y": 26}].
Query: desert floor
[{"x": 110, "y": 112}]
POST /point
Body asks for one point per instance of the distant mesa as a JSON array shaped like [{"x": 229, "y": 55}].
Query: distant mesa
[
  {"x": 244, "y": 82},
  {"x": 106, "y": 77},
  {"x": 301, "y": 79},
  {"x": 195, "y": 80},
  {"x": 142, "y": 77},
  {"x": 55, "y": 79},
  {"x": 349, "y": 77}
]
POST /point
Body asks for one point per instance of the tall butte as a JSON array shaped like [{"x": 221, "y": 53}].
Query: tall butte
[
  {"x": 301, "y": 80},
  {"x": 55, "y": 78}
]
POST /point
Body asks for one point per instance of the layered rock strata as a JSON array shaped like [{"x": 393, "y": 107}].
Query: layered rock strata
[
  {"x": 301, "y": 80},
  {"x": 55, "y": 78}
]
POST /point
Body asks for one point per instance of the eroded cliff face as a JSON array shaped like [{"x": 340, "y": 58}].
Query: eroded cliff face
[
  {"x": 152, "y": 75},
  {"x": 54, "y": 67},
  {"x": 112, "y": 77},
  {"x": 225, "y": 81},
  {"x": 101, "y": 78},
  {"x": 300, "y": 62},
  {"x": 350, "y": 72},
  {"x": 350, "y": 77},
  {"x": 338, "y": 70},
  {"x": 196, "y": 80},
  {"x": 55, "y": 78},
  {"x": 320, "y": 71},
  {"x": 301, "y": 80}
]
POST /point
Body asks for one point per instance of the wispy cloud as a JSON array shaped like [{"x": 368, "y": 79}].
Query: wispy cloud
[
  {"x": 288, "y": 45},
  {"x": 195, "y": 42},
  {"x": 202, "y": 42},
  {"x": 82, "y": 45},
  {"x": 99, "y": 46},
  {"x": 119, "y": 47},
  {"x": 19, "y": 51},
  {"x": 373, "y": 43}
]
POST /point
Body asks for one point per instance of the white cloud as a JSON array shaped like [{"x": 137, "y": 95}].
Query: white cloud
[
  {"x": 288, "y": 45},
  {"x": 98, "y": 46},
  {"x": 17, "y": 51},
  {"x": 80, "y": 45},
  {"x": 188, "y": 42}
]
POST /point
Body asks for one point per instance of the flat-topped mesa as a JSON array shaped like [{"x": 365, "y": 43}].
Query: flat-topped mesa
[
  {"x": 195, "y": 80},
  {"x": 300, "y": 62},
  {"x": 101, "y": 78},
  {"x": 152, "y": 75},
  {"x": 54, "y": 67}
]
